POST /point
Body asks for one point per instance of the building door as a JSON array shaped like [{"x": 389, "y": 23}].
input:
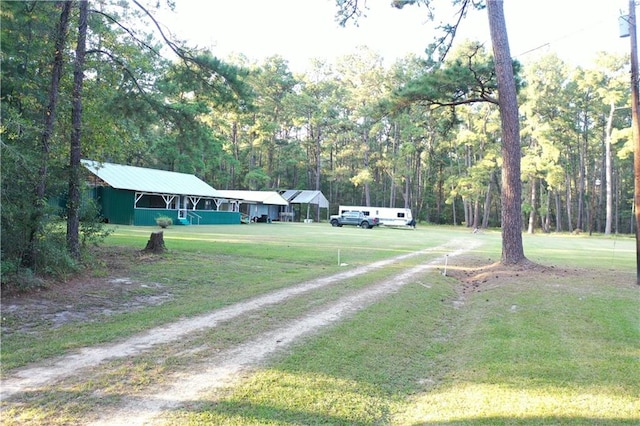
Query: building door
[{"x": 182, "y": 211}]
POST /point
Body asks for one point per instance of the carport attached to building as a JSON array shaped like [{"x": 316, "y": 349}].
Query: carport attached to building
[
  {"x": 257, "y": 205},
  {"x": 308, "y": 198}
]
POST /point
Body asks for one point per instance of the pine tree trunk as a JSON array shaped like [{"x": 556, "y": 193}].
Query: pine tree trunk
[
  {"x": 558, "y": 211},
  {"x": 512, "y": 249},
  {"x": 453, "y": 210},
  {"x": 582, "y": 173},
  {"x": 476, "y": 213},
  {"x": 73, "y": 203},
  {"x": 534, "y": 202},
  {"x": 49, "y": 120},
  {"x": 570, "y": 227},
  {"x": 467, "y": 212},
  {"x": 546, "y": 224},
  {"x": 487, "y": 203},
  {"x": 609, "y": 172},
  {"x": 50, "y": 112}
]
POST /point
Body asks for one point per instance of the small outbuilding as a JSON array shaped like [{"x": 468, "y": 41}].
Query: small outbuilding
[
  {"x": 130, "y": 195},
  {"x": 306, "y": 198}
]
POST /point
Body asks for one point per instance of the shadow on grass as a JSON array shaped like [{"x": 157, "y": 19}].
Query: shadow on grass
[
  {"x": 557, "y": 350},
  {"x": 246, "y": 413},
  {"x": 546, "y": 420}
]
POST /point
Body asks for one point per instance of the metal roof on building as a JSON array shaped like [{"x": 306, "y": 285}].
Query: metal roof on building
[
  {"x": 258, "y": 197},
  {"x": 306, "y": 197},
  {"x": 155, "y": 181}
]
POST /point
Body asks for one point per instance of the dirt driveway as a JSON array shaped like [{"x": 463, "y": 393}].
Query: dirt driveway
[{"x": 223, "y": 368}]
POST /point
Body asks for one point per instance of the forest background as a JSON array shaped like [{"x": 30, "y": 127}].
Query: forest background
[{"x": 419, "y": 134}]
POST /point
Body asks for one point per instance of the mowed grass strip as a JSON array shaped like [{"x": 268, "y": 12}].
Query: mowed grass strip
[
  {"x": 554, "y": 348},
  {"x": 208, "y": 267},
  {"x": 356, "y": 373},
  {"x": 115, "y": 382},
  {"x": 560, "y": 346},
  {"x": 558, "y": 349}
]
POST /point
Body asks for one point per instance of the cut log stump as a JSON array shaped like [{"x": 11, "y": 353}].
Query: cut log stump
[{"x": 156, "y": 243}]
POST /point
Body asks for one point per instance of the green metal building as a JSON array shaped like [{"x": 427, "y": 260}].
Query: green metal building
[{"x": 129, "y": 195}]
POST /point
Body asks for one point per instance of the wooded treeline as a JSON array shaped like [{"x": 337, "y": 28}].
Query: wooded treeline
[{"x": 411, "y": 134}]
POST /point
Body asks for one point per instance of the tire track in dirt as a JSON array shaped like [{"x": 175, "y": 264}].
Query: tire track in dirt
[
  {"x": 224, "y": 369},
  {"x": 29, "y": 379}
]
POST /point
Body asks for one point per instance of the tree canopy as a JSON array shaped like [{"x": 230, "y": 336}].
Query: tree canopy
[{"x": 417, "y": 133}]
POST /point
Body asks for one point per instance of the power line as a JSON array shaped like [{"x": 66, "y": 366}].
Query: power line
[{"x": 563, "y": 37}]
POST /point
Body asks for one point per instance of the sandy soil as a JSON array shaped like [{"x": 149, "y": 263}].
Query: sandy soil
[{"x": 222, "y": 368}]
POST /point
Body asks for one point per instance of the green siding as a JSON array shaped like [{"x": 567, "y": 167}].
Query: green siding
[
  {"x": 214, "y": 217},
  {"x": 116, "y": 205},
  {"x": 147, "y": 217}
]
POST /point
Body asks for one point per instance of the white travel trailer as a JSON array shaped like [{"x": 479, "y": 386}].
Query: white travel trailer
[{"x": 388, "y": 216}]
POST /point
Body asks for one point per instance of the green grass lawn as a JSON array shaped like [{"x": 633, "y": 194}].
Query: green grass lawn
[{"x": 553, "y": 345}]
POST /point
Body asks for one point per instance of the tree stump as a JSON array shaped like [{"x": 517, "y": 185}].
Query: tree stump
[{"x": 156, "y": 243}]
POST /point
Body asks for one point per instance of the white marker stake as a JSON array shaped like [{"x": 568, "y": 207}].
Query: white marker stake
[{"x": 446, "y": 259}]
